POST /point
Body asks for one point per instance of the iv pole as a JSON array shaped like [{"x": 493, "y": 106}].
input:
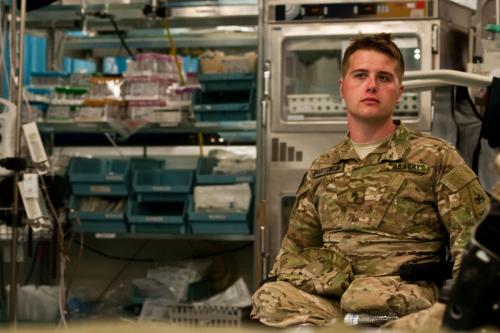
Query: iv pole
[{"x": 17, "y": 152}]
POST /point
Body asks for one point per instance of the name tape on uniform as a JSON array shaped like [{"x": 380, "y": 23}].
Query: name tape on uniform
[
  {"x": 412, "y": 167},
  {"x": 326, "y": 171}
]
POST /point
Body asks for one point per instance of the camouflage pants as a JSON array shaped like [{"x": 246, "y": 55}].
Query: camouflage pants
[
  {"x": 280, "y": 304},
  {"x": 428, "y": 320},
  {"x": 388, "y": 293}
]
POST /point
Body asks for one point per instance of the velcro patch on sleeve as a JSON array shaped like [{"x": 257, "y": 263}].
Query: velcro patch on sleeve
[
  {"x": 480, "y": 200},
  {"x": 458, "y": 177}
]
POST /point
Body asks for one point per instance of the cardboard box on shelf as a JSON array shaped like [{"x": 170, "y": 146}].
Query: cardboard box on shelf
[
  {"x": 211, "y": 62},
  {"x": 239, "y": 63},
  {"x": 218, "y": 62}
]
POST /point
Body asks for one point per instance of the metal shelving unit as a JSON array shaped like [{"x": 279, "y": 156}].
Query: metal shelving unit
[
  {"x": 82, "y": 128},
  {"x": 224, "y": 238},
  {"x": 130, "y": 14},
  {"x": 194, "y": 25},
  {"x": 151, "y": 41}
]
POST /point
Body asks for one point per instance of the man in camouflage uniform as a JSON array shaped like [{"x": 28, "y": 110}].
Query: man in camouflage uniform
[{"x": 383, "y": 197}]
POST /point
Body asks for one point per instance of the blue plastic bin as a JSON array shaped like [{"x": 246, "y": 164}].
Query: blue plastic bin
[
  {"x": 164, "y": 217},
  {"x": 74, "y": 203},
  {"x": 93, "y": 176},
  {"x": 162, "y": 185},
  {"x": 157, "y": 228},
  {"x": 221, "y": 116},
  {"x": 96, "y": 221},
  {"x": 225, "y": 97},
  {"x": 226, "y": 81},
  {"x": 215, "y": 222},
  {"x": 205, "y": 174},
  {"x": 222, "y": 107}
]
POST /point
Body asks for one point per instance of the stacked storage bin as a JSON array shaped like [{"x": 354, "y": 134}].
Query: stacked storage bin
[
  {"x": 154, "y": 92},
  {"x": 53, "y": 95},
  {"x": 39, "y": 100},
  {"x": 159, "y": 198},
  {"x": 225, "y": 97},
  {"x": 104, "y": 103},
  {"x": 235, "y": 217},
  {"x": 99, "y": 194}
]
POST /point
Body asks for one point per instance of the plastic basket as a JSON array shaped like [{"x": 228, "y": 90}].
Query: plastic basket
[
  {"x": 95, "y": 216},
  {"x": 222, "y": 107},
  {"x": 92, "y": 176},
  {"x": 223, "y": 116},
  {"x": 98, "y": 170},
  {"x": 62, "y": 113},
  {"x": 162, "y": 185},
  {"x": 49, "y": 78},
  {"x": 156, "y": 213},
  {"x": 205, "y": 174},
  {"x": 235, "y": 91},
  {"x": 96, "y": 222},
  {"x": 205, "y": 316},
  {"x": 216, "y": 222},
  {"x": 226, "y": 81},
  {"x": 157, "y": 228}
]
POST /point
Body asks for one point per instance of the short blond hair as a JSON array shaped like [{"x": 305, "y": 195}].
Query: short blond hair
[{"x": 381, "y": 43}]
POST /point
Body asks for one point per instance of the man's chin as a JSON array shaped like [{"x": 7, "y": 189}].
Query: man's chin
[{"x": 372, "y": 115}]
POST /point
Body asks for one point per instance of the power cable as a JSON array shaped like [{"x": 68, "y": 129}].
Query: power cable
[
  {"x": 115, "y": 27},
  {"x": 120, "y": 272},
  {"x": 120, "y": 36},
  {"x": 173, "y": 50},
  {"x": 33, "y": 264},
  {"x": 112, "y": 257},
  {"x": 113, "y": 142},
  {"x": 77, "y": 262},
  {"x": 215, "y": 254},
  {"x": 62, "y": 250}
]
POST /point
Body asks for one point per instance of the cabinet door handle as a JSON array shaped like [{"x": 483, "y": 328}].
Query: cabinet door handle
[
  {"x": 265, "y": 103},
  {"x": 263, "y": 239}
]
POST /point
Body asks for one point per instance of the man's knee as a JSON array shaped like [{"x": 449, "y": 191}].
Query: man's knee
[
  {"x": 280, "y": 304},
  {"x": 430, "y": 319},
  {"x": 379, "y": 294}
]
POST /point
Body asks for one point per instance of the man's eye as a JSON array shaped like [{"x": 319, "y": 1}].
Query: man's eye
[
  {"x": 359, "y": 75},
  {"x": 384, "y": 78}
]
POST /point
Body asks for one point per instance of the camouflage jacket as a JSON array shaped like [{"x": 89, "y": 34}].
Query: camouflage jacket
[{"x": 402, "y": 203}]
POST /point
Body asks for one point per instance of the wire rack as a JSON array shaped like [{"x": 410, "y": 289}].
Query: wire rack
[{"x": 205, "y": 316}]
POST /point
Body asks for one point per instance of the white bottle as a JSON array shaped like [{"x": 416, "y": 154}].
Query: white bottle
[{"x": 353, "y": 319}]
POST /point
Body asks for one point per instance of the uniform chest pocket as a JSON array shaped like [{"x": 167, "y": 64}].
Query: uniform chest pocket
[
  {"x": 387, "y": 201},
  {"x": 352, "y": 192},
  {"x": 365, "y": 206}
]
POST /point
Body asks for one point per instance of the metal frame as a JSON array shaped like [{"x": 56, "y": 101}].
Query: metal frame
[{"x": 420, "y": 29}]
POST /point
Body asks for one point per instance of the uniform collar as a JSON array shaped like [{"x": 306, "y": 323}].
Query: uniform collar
[{"x": 392, "y": 150}]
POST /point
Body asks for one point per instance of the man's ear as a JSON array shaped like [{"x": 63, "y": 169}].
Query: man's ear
[
  {"x": 341, "y": 82},
  {"x": 401, "y": 91}
]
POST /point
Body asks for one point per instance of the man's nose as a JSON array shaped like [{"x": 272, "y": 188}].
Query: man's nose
[{"x": 371, "y": 85}]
